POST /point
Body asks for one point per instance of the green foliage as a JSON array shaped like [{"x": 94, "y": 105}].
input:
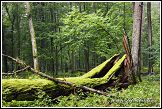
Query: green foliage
[
  {"x": 15, "y": 103},
  {"x": 81, "y": 100},
  {"x": 64, "y": 31},
  {"x": 143, "y": 94},
  {"x": 94, "y": 29},
  {"x": 42, "y": 101},
  {"x": 155, "y": 48},
  {"x": 22, "y": 75},
  {"x": 156, "y": 69}
]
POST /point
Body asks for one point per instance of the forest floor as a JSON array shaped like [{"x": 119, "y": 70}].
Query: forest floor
[{"x": 143, "y": 94}]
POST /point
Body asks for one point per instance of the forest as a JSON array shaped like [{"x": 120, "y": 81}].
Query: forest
[{"x": 80, "y": 54}]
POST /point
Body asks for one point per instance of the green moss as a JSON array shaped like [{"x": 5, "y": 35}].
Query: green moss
[
  {"x": 25, "y": 88},
  {"x": 28, "y": 88},
  {"x": 85, "y": 80},
  {"x": 115, "y": 67},
  {"x": 144, "y": 94},
  {"x": 97, "y": 69},
  {"x": 78, "y": 81},
  {"x": 25, "y": 84}
]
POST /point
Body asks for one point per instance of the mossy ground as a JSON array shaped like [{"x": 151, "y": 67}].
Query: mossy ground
[{"x": 144, "y": 94}]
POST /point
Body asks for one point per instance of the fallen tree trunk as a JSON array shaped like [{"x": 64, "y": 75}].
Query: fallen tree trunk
[
  {"x": 27, "y": 89},
  {"x": 102, "y": 69}
]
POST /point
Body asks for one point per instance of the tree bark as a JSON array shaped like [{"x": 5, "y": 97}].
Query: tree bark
[
  {"x": 139, "y": 53},
  {"x": 12, "y": 43},
  {"x": 18, "y": 32},
  {"x": 56, "y": 60},
  {"x": 72, "y": 63},
  {"x": 4, "y": 51},
  {"x": 149, "y": 36},
  {"x": 33, "y": 40},
  {"x": 51, "y": 40},
  {"x": 142, "y": 36},
  {"x": 86, "y": 56},
  {"x": 43, "y": 40},
  {"x": 136, "y": 36}
]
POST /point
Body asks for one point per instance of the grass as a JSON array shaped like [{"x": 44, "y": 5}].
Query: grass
[{"x": 143, "y": 94}]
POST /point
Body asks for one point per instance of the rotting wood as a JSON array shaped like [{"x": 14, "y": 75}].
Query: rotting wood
[
  {"x": 83, "y": 83},
  {"x": 54, "y": 79}
]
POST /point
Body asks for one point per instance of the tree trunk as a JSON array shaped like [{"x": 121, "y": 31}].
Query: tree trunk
[
  {"x": 33, "y": 40},
  {"x": 12, "y": 43},
  {"x": 52, "y": 58},
  {"x": 4, "y": 51},
  {"x": 72, "y": 63},
  {"x": 142, "y": 36},
  {"x": 86, "y": 56},
  {"x": 79, "y": 59},
  {"x": 12, "y": 20},
  {"x": 80, "y": 7},
  {"x": 56, "y": 60},
  {"x": 149, "y": 36},
  {"x": 43, "y": 41},
  {"x": 51, "y": 40},
  {"x": 56, "y": 47},
  {"x": 139, "y": 53},
  {"x": 18, "y": 32},
  {"x": 98, "y": 78},
  {"x": 136, "y": 36},
  {"x": 94, "y": 6}
]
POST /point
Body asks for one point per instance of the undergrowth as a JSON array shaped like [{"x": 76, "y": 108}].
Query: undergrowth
[{"x": 143, "y": 94}]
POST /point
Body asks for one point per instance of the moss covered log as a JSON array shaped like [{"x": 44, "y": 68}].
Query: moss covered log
[
  {"x": 27, "y": 89},
  {"x": 102, "y": 69}
]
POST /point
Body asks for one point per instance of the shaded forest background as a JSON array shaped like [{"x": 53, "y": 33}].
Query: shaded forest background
[
  {"x": 74, "y": 36},
  {"x": 71, "y": 39}
]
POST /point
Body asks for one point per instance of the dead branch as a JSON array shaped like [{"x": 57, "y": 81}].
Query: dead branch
[
  {"x": 54, "y": 79},
  {"x": 21, "y": 70},
  {"x": 8, "y": 73},
  {"x": 14, "y": 72}
]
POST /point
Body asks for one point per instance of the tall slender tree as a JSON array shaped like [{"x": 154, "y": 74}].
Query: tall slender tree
[
  {"x": 17, "y": 25},
  {"x": 4, "y": 50},
  {"x": 52, "y": 7},
  {"x": 137, "y": 20},
  {"x": 150, "y": 68},
  {"x": 139, "y": 53},
  {"x": 33, "y": 40},
  {"x": 12, "y": 20}
]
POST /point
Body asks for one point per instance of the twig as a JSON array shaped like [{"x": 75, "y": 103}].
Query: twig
[
  {"x": 7, "y": 73},
  {"x": 26, "y": 68},
  {"x": 18, "y": 71}
]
